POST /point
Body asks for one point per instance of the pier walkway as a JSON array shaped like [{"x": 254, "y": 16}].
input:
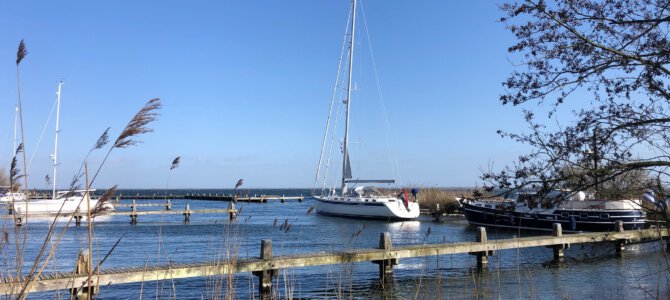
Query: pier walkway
[
  {"x": 196, "y": 196},
  {"x": 266, "y": 266}
]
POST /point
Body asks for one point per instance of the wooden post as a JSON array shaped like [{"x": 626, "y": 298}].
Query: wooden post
[
  {"x": 437, "y": 213},
  {"x": 557, "y": 231},
  {"x": 265, "y": 276},
  {"x": 81, "y": 268},
  {"x": 19, "y": 221},
  {"x": 77, "y": 220},
  {"x": 619, "y": 244},
  {"x": 187, "y": 214},
  {"x": 385, "y": 265},
  {"x": 482, "y": 256},
  {"x": 233, "y": 211},
  {"x": 133, "y": 217}
]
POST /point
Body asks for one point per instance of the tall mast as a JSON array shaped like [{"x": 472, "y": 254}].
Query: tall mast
[
  {"x": 55, "y": 155},
  {"x": 345, "y": 161}
]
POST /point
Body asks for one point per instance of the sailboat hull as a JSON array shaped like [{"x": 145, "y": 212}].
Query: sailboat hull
[
  {"x": 354, "y": 207},
  {"x": 63, "y": 205}
]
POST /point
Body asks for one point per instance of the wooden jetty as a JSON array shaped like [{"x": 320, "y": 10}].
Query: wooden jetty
[
  {"x": 386, "y": 256},
  {"x": 195, "y": 196},
  {"x": 134, "y": 213},
  {"x": 211, "y": 197}
]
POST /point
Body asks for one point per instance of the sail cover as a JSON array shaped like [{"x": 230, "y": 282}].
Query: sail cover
[{"x": 347, "y": 166}]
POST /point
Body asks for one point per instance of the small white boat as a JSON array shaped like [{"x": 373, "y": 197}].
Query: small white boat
[
  {"x": 7, "y": 196},
  {"x": 363, "y": 202},
  {"x": 65, "y": 203}
]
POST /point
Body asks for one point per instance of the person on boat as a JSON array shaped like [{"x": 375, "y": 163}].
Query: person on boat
[{"x": 415, "y": 191}]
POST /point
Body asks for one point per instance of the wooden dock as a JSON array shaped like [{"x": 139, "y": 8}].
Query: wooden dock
[
  {"x": 133, "y": 213},
  {"x": 266, "y": 266},
  {"x": 196, "y": 196}
]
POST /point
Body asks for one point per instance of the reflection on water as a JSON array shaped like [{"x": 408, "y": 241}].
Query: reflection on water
[{"x": 589, "y": 271}]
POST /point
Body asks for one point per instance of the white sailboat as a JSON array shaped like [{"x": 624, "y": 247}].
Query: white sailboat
[
  {"x": 63, "y": 202},
  {"x": 364, "y": 201}
]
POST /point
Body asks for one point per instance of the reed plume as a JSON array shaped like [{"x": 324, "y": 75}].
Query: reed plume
[
  {"x": 21, "y": 53},
  {"x": 175, "y": 163},
  {"x": 137, "y": 126},
  {"x": 14, "y": 175},
  {"x": 239, "y": 183},
  {"x": 99, "y": 207}
]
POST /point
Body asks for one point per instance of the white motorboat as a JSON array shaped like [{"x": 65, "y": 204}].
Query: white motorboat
[{"x": 363, "y": 202}]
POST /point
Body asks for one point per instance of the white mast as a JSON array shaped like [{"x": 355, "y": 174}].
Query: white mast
[
  {"x": 54, "y": 157},
  {"x": 345, "y": 160}
]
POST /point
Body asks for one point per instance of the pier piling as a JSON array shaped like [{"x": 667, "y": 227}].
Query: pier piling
[
  {"x": 82, "y": 268},
  {"x": 386, "y": 265},
  {"x": 559, "y": 250},
  {"x": 133, "y": 215},
  {"x": 619, "y": 244},
  {"x": 265, "y": 276},
  {"x": 187, "y": 214},
  {"x": 482, "y": 256}
]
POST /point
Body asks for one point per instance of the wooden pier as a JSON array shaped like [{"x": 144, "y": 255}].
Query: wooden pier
[
  {"x": 195, "y": 196},
  {"x": 386, "y": 256},
  {"x": 134, "y": 213}
]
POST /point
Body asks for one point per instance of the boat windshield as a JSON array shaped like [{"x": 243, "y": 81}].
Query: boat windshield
[{"x": 367, "y": 191}]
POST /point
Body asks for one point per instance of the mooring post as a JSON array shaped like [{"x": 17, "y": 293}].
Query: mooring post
[
  {"x": 77, "y": 219},
  {"x": 168, "y": 205},
  {"x": 10, "y": 208},
  {"x": 385, "y": 265},
  {"x": 557, "y": 231},
  {"x": 300, "y": 199},
  {"x": 18, "y": 221},
  {"x": 437, "y": 213},
  {"x": 482, "y": 256},
  {"x": 619, "y": 244},
  {"x": 282, "y": 199},
  {"x": 133, "y": 216},
  {"x": 81, "y": 268},
  {"x": 187, "y": 214},
  {"x": 265, "y": 276},
  {"x": 232, "y": 211}
]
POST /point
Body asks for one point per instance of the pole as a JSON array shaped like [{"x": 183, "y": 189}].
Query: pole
[
  {"x": 55, "y": 156},
  {"x": 346, "y": 127}
]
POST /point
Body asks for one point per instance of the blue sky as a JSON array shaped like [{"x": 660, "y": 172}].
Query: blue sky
[{"x": 246, "y": 87}]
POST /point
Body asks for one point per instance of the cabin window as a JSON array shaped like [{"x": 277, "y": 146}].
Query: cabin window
[
  {"x": 565, "y": 215},
  {"x": 374, "y": 200},
  {"x": 584, "y": 215},
  {"x": 604, "y": 216},
  {"x": 487, "y": 205}
]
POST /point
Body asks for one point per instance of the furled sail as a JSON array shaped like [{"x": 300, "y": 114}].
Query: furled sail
[{"x": 347, "y": 166}]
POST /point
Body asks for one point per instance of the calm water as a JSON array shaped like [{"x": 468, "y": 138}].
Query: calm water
[{"x": 590, "y": 272}]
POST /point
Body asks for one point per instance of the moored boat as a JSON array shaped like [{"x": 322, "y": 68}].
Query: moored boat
[
  {"x": 576, "y": 213},
  {"x": 364, "y": 201}
]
